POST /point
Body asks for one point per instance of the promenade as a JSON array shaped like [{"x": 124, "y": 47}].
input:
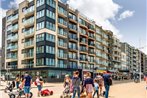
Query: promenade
[{"x": 119, "y": 90}]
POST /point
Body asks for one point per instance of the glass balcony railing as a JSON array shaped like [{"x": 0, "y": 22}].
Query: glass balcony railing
[
  {"x": 61, "y": 21},
  {"x": 73, "y": 47},
  {"x": 62, "y": 55},
  {"x": 15, "y": 27},
  {"x": 29, "y": 65},
  {"x": 73, "y": 27},
  {"x": 72, "y": 57},
  {"x": 91, "y": 44},
  {"x": 91, "y": 51},
  {"x": 73, "y": 37},
  {"x": 62, "y": 32},
  {"x": 29, "y": 21},
  {"x": 62, "y": 11},
  {"x": 13, "y": 56},
  {"x": 29, "y": 10},
  {"x": 83, "y": 49},
  {"x": 72, "y": 17},
  {"x": 15, "y": 37},
  {"x": 91, "y": 35},
  {"x": 28, "y": 55},
  {"x": 14, "y": 17},
  {"x": 29, "y": 43},
  {"x": 83, "y": 59},
  {"x": 83, "y": 31},
  {"x": 62, "y": 44},
  {"x": 29, "y": 32}
]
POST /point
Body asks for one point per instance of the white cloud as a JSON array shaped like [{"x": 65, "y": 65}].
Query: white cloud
[
  {"x": 99, "y": 10},
  {"x": 126, "y": 14},
  {"x": 15, "y": 3}
]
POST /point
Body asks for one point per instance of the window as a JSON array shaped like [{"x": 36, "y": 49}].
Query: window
[
  {"x": 50, "y": 61},
  {"x": 50, "y": 14},
  {"x": 91, "y": 59},
  {"x": 40, "y": 14},
  {"x": 50, "y": 25},
  {"x": 61, "y": 63},
  {"x": 50, "y": 49},
  {"x": 40, "y": 49},
  {"x": 73, "y": 64},
  {"x": 51, "y": 3},
  {"x": 72, "y": 55},
  {"x": 9, "y": 27},
  {"x": 40, "y": 2},
  {"x": 40, "y": 25},
  {"x": 62, "y": 10},
  {"x": 72, "y": 45},
  {"x": 50, "y": 37},
  {"x": 40, "y": 37},
  {"x": 40, "y": 61}
]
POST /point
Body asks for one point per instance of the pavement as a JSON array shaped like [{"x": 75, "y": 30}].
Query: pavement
[{"x": 118, "y": 90}]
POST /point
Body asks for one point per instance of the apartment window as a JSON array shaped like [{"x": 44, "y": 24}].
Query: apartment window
[
  {"x": 40, "y": 37},
  {"x": 72, "y": 45},
  {"x": 40, "y": 25},
  {"x": 50, "y": 14},
  {"x": 50, "y": 61},
  {"x": 40, "y": 49},
  {"x": 50, "y": 25},
  {"x": 40, "y": 61},
  {"x": 73, "y": 64},
  {"x": 62, "y": 10},
  {"x": 50, "y": 37},
  {"x": 9, "y": 27},
  {"x": 40, "y": 14},
  {"x": 61, "y": 63},
  {"x": 91, "y": 59},
  {"x": 51, "y": 3},
  {"x": 40, "y": 2},
  {"x": 50, "y": 49},
  {"x": 72, "y": 16},
  {"x": 72, "y": 55}
]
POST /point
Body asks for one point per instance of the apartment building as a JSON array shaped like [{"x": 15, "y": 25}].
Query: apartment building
[
  {"x": 103, "y": 49},
  {"x": 124, "y": 66},
  {"x": 116, "y": 53},
  {"x": 49, "y": 37}
]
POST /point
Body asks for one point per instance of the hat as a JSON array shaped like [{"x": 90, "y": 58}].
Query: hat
[{"x": 67, "y": 75}]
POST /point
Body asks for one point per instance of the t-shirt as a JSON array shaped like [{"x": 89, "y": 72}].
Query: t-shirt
[
  {"x": 38, "y": 81},
  {"x": 96, "y": 86},
  {"x": 27, "y": 80},
  {"x": 106, "y": 78}
]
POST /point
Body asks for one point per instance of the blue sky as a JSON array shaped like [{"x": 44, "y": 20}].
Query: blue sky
[{"x": 131, "y": 28}]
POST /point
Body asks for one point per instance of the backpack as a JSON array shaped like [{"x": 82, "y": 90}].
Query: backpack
[{"x": 109, "y": 81}]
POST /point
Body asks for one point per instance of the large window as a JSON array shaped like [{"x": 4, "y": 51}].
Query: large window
[
  {"x": 40, "y": 2},
  {"x": 50, "y": 61},
  {"x": 62, "y": 10},
  {"x": 72, "y": 45},
  {"x": 40, "y": 37},
  {"x": 91, "y": 59},
  {"x": 50, "y": 37},
  {"x": 40, "y": 49},
  {"x": 51, "y": 3},
  {"x": 40, "y": 62},
  {"x": 72, "y": 55},
  {"x": 50, "y": 25},
  {"x": 40, "y": 25},
  {"x": 61, "y": 64},
  {"x": 73, "y": 64},
  {"x": 50, "y": 14},
  {"x": 50, "y": 49},
  {"x": 40, "y": 14}
]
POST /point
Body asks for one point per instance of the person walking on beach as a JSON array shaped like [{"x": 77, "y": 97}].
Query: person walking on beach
[{"x": 76, "y": 84}]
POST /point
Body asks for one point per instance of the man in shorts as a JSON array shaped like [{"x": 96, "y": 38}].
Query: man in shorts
[{"x": 27, "y": 84}]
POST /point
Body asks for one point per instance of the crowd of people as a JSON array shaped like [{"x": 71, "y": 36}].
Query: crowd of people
[{"x": 89, "y": 86}]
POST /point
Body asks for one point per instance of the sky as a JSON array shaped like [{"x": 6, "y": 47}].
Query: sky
[{"x": 126, "y": 18}]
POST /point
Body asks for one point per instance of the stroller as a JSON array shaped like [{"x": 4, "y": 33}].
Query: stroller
[
  {"x": 18, "y": 93},
  {"x": 66, "y": 92},
  {"x": 9, "y": 87}
]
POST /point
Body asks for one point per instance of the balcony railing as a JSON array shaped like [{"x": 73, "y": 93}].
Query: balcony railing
[
  {"x": 29, "y": 22},
  {"x": 73, "y": 37},
  {"x": 62, "y": 32},
  {"x": 83, "y": 59},
  {"x": 15, "y": 17},
  {"x": 63, "y": 22},
  {"x": 62, "y": 55},
  {"x": 29, "y": 32},
  {"x": 28, "y": 55},
  {"x": 62, "y": 44},
  {"x": 29, "y": 43},
  {"x": 29, "y": 11},
  {"x": 62, "y": 11},
  {"x": 72, "y": 48},
  {"x": 13, "y": 38},
  {"x": 15, "y": 28},
  {"x": 83, "y": 49}
]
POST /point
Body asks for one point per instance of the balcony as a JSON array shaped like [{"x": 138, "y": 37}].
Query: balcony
[
  {"x": 83, "y": 25},
  {"x": 91, "y": 52},
  {"x": 83, "y": 50},
  {"x": 29, "y": 12},
  {"x": 14, "y": 38},
  {"x": 83, "y": 59},
  {"x": 73, "y": 28},
  {"x": 28, "y": 65},
  {"x": 15, "y": 28},
  {"x": 62, "y": 45},
  {"x": 62, "y": 23},
  {"x": 62, "y": 12},
  {"x": 91, "y": 36},
  {"x": 62, "y": 33},
  {"x": 83, "y": 32},
  {"x": 73, "y": 38},
  {"x": 14, "y": 48},
  {"x": 29, "y": 33},
  {"x": 73, "y": 58},
  {"x": 29, "y": 44},
  {"x": 91, "y": 29},
  {"x": 14, "y": 19},
  {"x": 28, "y": 23},
  {"x": 91, "y": 44},
  {"x": 74, "y": 49},
  {"x": 73, "y": 19},
  {"x": 28, "y": 56},
  {"x": 62, "y": 56},
  {"x": 83, "y": 42}
]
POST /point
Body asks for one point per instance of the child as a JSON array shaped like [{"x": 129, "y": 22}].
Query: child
[{"x": 96, "y": 88}]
